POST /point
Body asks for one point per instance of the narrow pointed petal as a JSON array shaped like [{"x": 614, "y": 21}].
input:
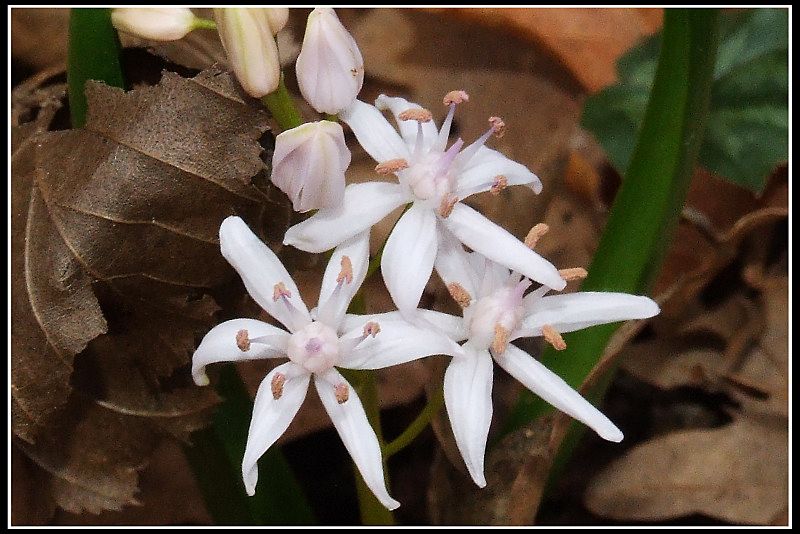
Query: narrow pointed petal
[
  {"x": 408, "y": 257},
  {"x": 552, "y": 388},
  {"x": 220, "y": 345},
  {"x": 334, "y": 297},
  {"x": 497, "y": 244},
  {"x": 408, "y": 129},
  {"x": 374, "y": 132},
  {"x": 357, "y": 435},
  {"x": 453, "y": 264},
  {"x": 479, "y": 173},
  {"x": 573, "y": 311},
  {"x": 271, "y": 416},
  {"x": 364, "y": 204},
  {"x": 260, "y": 270},
  {"x": 468, "y": 399},
  {"x": 450, "y": 325}
]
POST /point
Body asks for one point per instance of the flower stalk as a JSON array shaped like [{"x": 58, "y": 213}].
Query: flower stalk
[{"x": 281, "y": 106}]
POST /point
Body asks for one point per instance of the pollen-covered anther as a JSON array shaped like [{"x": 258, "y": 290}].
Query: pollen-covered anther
[
  {"x": 500, "y": 183},
  {"x": 459, "y": 294},
  {"x": 447, "y": 205},
  {"x": 346, "y": 274},
  {"x": 280, "y": 291},
  {"x": 243, "y": 340},
  {"x": 342, "y": 393},
  {"x": 553, "y": 337},
  {"x": 455, "y": 97},
  {"x": 500, "y": 341},
  {"x": 391, "y": 166},
  {"x": 278, "y": 380},
  {"x": 416, "y": 114},
  {"x": 535, "y": 234},
  {"x": 371, "y": 329},
  {"x": 575, "y": 273},
  {"x": 498, "y": 126}
]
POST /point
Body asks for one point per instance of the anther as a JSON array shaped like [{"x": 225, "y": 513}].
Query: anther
[
  {"x": 575, "y": 273},
  {"x": 342, "y": 393},
  {"x": 535, "y": 233},
  {"x": 500, "y": 341},
  {"x": 459, "y": 294},
  {"x": 416, "y": 114},
  {"x": 243, "y": 340},
  {"x": 498, "y": 126},
  {"x": 371, "y": 329},
  {"x": 447, "y": 205},
  {"x": 391, "y": 166},
  {"x": 278, "y": 380},
  {"x": 500, "y": 183},
  {"x": 553, "y": 337},
  {"x": 346, "y": 274},
  {"x": 280, "y": 291},
  {"x": 455, "y": 97}
]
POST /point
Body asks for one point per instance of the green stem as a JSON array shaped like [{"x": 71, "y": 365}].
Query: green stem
[
  {"x": 282, "y": 107},
  {"x": 417, "y": 425},
  {"x": 93, "y": 53},
  {"x": 204, "y": 24},
  {"x": 332, "y": 118}
]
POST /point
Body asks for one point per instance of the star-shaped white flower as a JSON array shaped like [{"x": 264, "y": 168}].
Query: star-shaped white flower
[
  {"x": 316, "y": 343},
  {"x": 496, "y": 311},
  {"x": 434, "y": 179}
]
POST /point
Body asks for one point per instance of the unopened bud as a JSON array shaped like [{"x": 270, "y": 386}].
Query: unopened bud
[
  {"x": 330, "y": 69},
  {"x": 309, "y": 164},
  {"x": 277, "y": 17},
  {"x": 157, "y": 24}
]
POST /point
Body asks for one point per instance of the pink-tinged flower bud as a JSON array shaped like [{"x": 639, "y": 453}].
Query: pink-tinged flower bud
[
  {"x": 330, "y": 69},
  {"x": 309, "y": 163},
  {"x": 247, "y": 37},
  {"x": 157, "y": 24},
  {"x": 277, "y": 17}
]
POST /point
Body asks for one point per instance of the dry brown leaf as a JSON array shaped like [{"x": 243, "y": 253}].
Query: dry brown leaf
[{"x": 28, "y": 43}]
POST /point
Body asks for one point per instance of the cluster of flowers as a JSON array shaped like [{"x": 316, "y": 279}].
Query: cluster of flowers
[{"x": 490, "y": 283}]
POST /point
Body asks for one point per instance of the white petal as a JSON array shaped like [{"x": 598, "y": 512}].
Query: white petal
[
  {"x": 552, "y": 388},
  {"x": 468, "y": 398},
  {"x": 271, "y": 417},
  {"x": 573, "y": 311},
  {"x": 333, "y": 297},
  {"x": 219, "y": 345},
  {"x": 357, "y": 435},
  {"x": 453, "y": 263},
  {"x": 374, "y": 132},
  {"x": 479, "y": 173},
  {"x": 261, "y": 270},
  {"x": 497, "y": 244},
  {"x": 408, "y": 129},
  {"x": 407, "y": 260},
  {"x": 493, "y": 276},
  {"x": 451, "y": 325},
  {"x": 364, "y": 204}
]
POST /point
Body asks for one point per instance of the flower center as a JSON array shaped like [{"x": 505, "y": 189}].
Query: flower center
[
  {"x": 431, "y": 178},
  {"x": 315, "y": 347},
  {"x": 493, "y": 318}
]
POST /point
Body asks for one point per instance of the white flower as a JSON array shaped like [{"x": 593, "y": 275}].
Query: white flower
[
  {"x": 277, "y": 17},
  {"x": 309, "y": 163},
  {"x": 247, "y": 37},
  {"x": 315, "y": 343},
  {"x": 330, "y": 69},
  {"x": 435, "y": 180},
  {"x": 158, "y": 24},
  {"x": 496, "y": 311}
]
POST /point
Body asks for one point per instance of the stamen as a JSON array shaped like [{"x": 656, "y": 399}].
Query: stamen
[
  {"x": 391, "y": 166},
  {"x": 278, "y": 380},
  {"x": 500, "y": 341},
  {"x": 447, "y": 205},
  {"x": 447, "y": 158},
  {"x": 346, "y": 274},
  {"x": 280, "y": 291},
  {"x": 459, "y": 294},
  {"x": 342, "y": 393},
  {"x": 535, "y": 233},
  {"x": 371, "y": 329},
  {"x": 243, "y": 340},
  {"x": 455, "y": 97},
  {"x": 575, "y": 273},
  {"x": 553, "y": 337},
  {"x": 498, "y": 126},
  {"x": 415, "y": 114},
  {"x": 500, "y": 183}
]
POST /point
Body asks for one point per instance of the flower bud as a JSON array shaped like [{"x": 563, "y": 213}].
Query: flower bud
[
  {"x": 309, "y": 163},
  {"x": 157, "y": 24},
  {"x": 247, "y": 37},
  {"x": 330, "y": 69},
  {"x": 277, "y": 17}
]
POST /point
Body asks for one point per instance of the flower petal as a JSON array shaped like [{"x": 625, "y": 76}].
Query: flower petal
[
  {"x": 450, "y": 325},
  {"x": 408, "y": 257},
  {"x": 408, "y": 129},
  {"x": 334, "y": 297},
  {"x": 271, "y": 417},
  {"x": 261, "y": 270},
  {"x": 374, "y": 132},
  {"x": 453, "y": 264},
  {"x": 364, "y": 204},
  {"x": 468, "y": 398},
  {"x": 497, "y": 244},
  {"x": 357, "y": 435},
  {"x": 573, "y": 311},
  {"x": 480, "y": 172},
  {"x": 553, "y": 389},
  {"x": 220, "y": 345}
]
